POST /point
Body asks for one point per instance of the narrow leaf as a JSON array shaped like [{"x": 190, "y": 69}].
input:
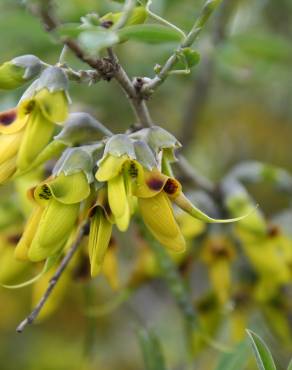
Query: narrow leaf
[
  {"x": 150, "y": 33},
  {"x": 262, "y": 354}
]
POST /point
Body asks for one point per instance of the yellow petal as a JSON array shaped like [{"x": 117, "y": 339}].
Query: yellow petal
[
  {"x": 149, "y": 183},
  {"x": 158, "y": 216},
  {"x": 9, "y": 145},
  {"x": 37, "y": 135},
  {"x": 110, "y": 167},
  {"x": 66, "y": 189},
  {"x": 7, "y": 169},
  {"x": 56, "y": 224},
  {"x": 123, "y": 221},
  {"x": 110, "y": 268},
  {"x": 117, "y": 196},
  {"x": 53, "y": 106},
  {"x": 99, "y": 237},
  {"x": 24, "y": 243}
]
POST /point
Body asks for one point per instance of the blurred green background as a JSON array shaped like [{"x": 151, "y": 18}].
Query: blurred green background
[{"x": 234, "y": 106}]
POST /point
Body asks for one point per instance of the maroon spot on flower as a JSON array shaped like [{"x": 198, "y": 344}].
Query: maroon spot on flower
[
  {"x": 107, "y": 24},
  {"x": 133, "y": 170},
  {"x": 273, "y": 231},
  {"x": 29, "y": 107},
  {"x": 82, "y": 271},
  {"x": 154, "y": 183},
  {"x": 220, "y": 250},
  {"x": 14, "y": 238},
  {"x": 171, "y": 187},
  {"x": 8, "y": 117}
]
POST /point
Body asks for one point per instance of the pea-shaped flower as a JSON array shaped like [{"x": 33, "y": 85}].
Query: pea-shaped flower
[
  {"x": 54, "y": 217},
  {"x": 26, "y": 130}
]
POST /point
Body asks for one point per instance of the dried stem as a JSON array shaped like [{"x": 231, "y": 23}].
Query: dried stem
[{"x": 53, "y": 281}]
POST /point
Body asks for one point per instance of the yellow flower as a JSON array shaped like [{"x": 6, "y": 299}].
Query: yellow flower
[
  {"x": 113, "y": 171},
  {"x": 100, "y": 232},
  {"x": 54, "y": 217},
  {"x": 26, "y": 130}
]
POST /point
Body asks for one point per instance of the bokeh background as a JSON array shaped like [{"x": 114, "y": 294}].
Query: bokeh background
[{"x": 234, "y": 106}]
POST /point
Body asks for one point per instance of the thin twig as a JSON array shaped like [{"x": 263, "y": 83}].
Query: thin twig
[
  {"x": 53, "y": 281},
  {"x": 207, "y": 10},
  {"x": 126, "y": 13},
  {"x": 138, "y": 105}
]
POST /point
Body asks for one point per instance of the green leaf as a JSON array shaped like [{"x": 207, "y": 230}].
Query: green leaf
[
  {"x": 262, "y": 354},
  {"x": 150, "y": 33},
  {"x": 235, "y": 360},
  {"x": 190, "y": 57},
  {"x": 290, "y": 365},
  {"x": 151, "y": 349},
  {"x": 97, "y": 39}
]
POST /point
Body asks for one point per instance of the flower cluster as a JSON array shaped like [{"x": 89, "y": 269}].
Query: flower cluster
[
  {"x": 109, "y": 182},
  {"x": 105, "y": 179}
]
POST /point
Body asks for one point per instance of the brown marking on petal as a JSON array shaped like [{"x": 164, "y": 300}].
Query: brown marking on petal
[
  {"x": 133, "y": 170},
  {"x": 45, "y": 193},
  {"x": 107, "y": 24},
  {"x": 219, "y": 250},
  {"x": 29, "y": 107},
  {"x": 13, "y": 239},
  {"x": 107, "y": 208},
  {"x": 273, "y": 231},
  {"x": 82, "y": 271},
  {"x": 154, "y": 183},
  {"x": 171, "y": 187},
  {"x": 8, "y": 117},
  {"x": 112, "y": 243}
]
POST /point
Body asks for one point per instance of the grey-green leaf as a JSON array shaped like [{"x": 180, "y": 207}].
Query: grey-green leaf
[
  {"x": 263, "y": 355},
  {"x": 151, "y": 349},
  {"x": 97, "y": 39},
  {"x": 149, "y": 33}
]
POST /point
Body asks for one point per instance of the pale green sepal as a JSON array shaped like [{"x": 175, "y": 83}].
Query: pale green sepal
[
  {"x": 30, "y": 64},
  {"x": 157, "y": 138},
  {"x": 50, "y": 262},
  {"x": 81, "y": 128},
  {"x": 74, "y": 160},
  {"x": 54, "y": 79},
  {"x": 119, "y": 145},
  {"x": 144, "y": 155}
]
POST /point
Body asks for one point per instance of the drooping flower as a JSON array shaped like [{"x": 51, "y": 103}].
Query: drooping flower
[
  {"x": 54, "y": 217},
  {"x": 26, "y": 130},
  {"x": 132, "y": 178}
]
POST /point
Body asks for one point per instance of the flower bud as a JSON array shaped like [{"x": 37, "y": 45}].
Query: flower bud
[{"x": 18, "y": 71}]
